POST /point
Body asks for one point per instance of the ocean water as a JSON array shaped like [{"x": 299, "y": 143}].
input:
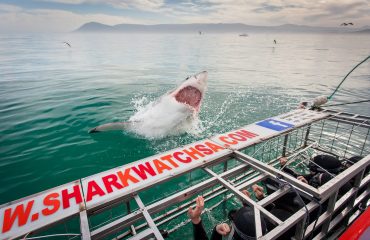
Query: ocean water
[{"x": 52, "y": 94}]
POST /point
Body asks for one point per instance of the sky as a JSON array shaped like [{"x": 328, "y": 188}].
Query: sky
[{"x": 68, "y": 15}]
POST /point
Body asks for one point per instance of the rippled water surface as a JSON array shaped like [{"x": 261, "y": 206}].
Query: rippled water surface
[{"x": 51, "y": 94}]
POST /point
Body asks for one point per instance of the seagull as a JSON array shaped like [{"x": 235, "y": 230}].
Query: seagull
[
  {"x": 345, "y": 24},
  {"x": 69, "y": 45}
]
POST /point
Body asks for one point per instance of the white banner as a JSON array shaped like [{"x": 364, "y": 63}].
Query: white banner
[{"x": 41, "y": 209}]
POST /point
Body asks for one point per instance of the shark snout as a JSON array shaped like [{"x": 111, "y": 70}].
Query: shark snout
[{"x": 201, "y": 78}]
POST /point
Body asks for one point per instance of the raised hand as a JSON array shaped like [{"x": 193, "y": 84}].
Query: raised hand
[
  {"x": 302, "y": 179},
  {"x": 223, "y": 229},
  {"x": 245, "y": 192},
  {"x": 194, "y": 214},
  {"x": 283, "y": 161},
  {"x": 258, "y": 191}
]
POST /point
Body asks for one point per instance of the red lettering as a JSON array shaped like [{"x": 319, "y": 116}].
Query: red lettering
[
  {"x": 160, "y": 166},
  {"x": 51, "y": 200},
  {"x": 141, "y": 172},
  {"x": 237, "y": 137},
  {"x": 125, "y": 177},
  {"x": 246, "y": 133},
  {"x": 75, "y": 194},
  {"x": 92, "y": 190},
  {"x": 203, "y": 149},
  {"x": 213, "y": 146},
  {"x": 192, "y": 153},
  {"x": 224, "y": 139},
  {"x": 178, "y": 158},
  {"x": 169, "y": 159},
  {"x": 111, "y": 180},
  {"x": 19, "y": 213}
]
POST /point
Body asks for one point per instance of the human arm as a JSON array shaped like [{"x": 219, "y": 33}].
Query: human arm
[
  {"x": 199, "y": 233},
  {"x": 258, "y": 191},
  {"x": 194, "y": 215},
  {"x": 302, "y": 179},
  {"x": 220, "y": 230},
  {"x": 283, "y": 161},
  {"x": 198, "y": 229}
]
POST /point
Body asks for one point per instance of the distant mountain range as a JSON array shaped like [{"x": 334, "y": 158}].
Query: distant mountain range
[
  {"x": 214, "y": 28},
  {"x": 364, "y": 31}
]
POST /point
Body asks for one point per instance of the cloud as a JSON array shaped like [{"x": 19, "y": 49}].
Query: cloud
[
  {"x": 147, "y": 5},
  {"x": 268, "y": 8},
  {"x": 338, "y": 9},
  {"x": 9, "y": 8},
  {"x": 275, "y": 12},
  {"x": 65, "y": 1},
  {"x": 268, "y": 12},
  {"x": 334, "y": 13},
  {"x": 16, "y": 19}
]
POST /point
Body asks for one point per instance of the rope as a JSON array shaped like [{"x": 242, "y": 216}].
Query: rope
[
  {"x": 317, "y": 218},
  {"x": 330, "y": 97},
  {"x": 283, "y": 182},
  {"x": 340, "y": 104}
]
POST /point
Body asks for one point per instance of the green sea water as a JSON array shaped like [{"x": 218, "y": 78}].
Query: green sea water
[{"x": 52, "y": 94}]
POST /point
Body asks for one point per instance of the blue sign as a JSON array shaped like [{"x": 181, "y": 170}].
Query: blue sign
[{"x": 275, "y": 124}]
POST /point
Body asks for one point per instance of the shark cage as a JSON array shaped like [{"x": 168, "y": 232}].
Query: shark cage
[{"x": 299, "y": 135}]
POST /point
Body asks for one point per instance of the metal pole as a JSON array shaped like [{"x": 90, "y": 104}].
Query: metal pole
[
  {"x": 306, "y": 136},
  {"x": 329, "y": 213},
  {"x": 356, "y": 185},
  {"x": 84, "y": 226},
  {"x": 241, "y": 195},
  {"x": 274, "y": 173},
  {"x": 148, "y": 218}
]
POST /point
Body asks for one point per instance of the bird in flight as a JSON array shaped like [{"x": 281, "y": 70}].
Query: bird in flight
[
  {"x": 69, "y": 45},
  {"x": 346, "y": 24}
]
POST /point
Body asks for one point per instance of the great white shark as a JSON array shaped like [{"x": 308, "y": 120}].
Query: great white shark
[{"x": 173, "y": 113}]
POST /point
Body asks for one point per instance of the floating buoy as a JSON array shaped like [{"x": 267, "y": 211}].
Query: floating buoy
[{"x": 320, "y": 100}]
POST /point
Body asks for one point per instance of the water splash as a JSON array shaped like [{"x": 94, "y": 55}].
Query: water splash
[
  {"x": 230, "y": 99},
  {"x": 228, "y": 111},
  {"x": 162, "y": 118}
]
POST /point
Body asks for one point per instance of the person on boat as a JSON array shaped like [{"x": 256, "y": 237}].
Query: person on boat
[
  {"x": 242, "y": 223},
  {"x": 291, "y": 202},
  {"x": 319, "y": 164},
  {"x": 352, "y": 160},
  {"x": 322, "y": 169},
  {"x": 279, "y": 208},
  {"x": 242, "y": 220}
]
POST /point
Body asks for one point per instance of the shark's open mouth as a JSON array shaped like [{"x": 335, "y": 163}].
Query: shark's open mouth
[{"x": 189, "y": 95}]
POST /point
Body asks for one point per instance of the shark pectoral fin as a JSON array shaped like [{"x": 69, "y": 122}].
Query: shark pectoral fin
[{"x": 109, "y": 127}]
